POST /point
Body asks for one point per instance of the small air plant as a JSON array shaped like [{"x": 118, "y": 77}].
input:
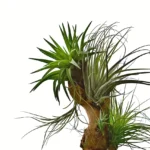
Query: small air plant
[
  {"x": 102, "y": 121},
  {"x": 126, "y": 123},
  {"x": 93, "y": 64}
]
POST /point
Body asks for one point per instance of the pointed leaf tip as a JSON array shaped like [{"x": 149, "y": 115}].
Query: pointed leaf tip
[{"x": 75, "y": 64}]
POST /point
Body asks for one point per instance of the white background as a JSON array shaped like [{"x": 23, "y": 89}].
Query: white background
[{"x": 23, "y": 25}]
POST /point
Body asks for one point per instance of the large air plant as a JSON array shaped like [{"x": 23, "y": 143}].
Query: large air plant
[{"x": 89, "y": 67}]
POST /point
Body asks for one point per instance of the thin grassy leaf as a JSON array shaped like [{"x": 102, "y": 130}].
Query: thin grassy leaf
[
  {"x": 51, "y": 76},
  {"x": 60, "y": 51},
  {"x": 69, "y": 33},
  {"x": 83, "y": 37},
  {"x": 130, "y": 74},
  {"x": 49, "y": 54},
  {"x": 41, "y": 69},
  {"x": 65, "y": 37},
  {"x": 128, "y": 63},
  {"x": 41, "y": 60},
  {"x": 68, "y": 72},
  {"x": 53, "y": 125},
  {"x": 129, "y": 54},
  {"x": 64, "y": 87}
]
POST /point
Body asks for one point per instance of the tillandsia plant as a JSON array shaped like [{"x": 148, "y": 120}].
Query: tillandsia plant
[
  {"x": 127, "y": 123},
  {"x": 89, "y": 67}
]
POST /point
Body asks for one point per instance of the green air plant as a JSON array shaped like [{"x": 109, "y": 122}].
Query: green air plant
[
  {"x": 127, "y": 123},
  {"x": 89, "y": 67}
]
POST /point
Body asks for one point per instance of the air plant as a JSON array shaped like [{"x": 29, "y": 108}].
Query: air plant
[
  {"x": 128, "y": 124},
  {"x": 102, "y": 76},
  {"x": 93, "y": 67},
  {"x": 63, "y": 59}
]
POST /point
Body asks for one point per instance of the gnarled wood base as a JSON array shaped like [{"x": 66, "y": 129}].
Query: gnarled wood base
[{"x": 92, "y": 139}]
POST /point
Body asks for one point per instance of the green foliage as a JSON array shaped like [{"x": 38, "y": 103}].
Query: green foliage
[
  {"x": 97, "y": 56},
  {"x": 62, "y": 60},
  {"x": 93, "y": 56},
  {"x": 105, "y": 70},
  {"x": 128, "y": 124},
  {"x": 55, "y": 124},
  {"x": 102, "y": 121}
]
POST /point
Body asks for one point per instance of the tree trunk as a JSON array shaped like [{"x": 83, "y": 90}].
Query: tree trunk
[{"x": 92, "y": 139}]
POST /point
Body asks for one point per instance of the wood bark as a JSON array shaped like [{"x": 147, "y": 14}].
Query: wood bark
[{"x": 92, "y": 138}]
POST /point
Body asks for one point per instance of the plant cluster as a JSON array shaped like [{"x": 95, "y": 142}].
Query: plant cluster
[
  {"x": 128, "y": 124},
  {"x": 98, "y": 62}
]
